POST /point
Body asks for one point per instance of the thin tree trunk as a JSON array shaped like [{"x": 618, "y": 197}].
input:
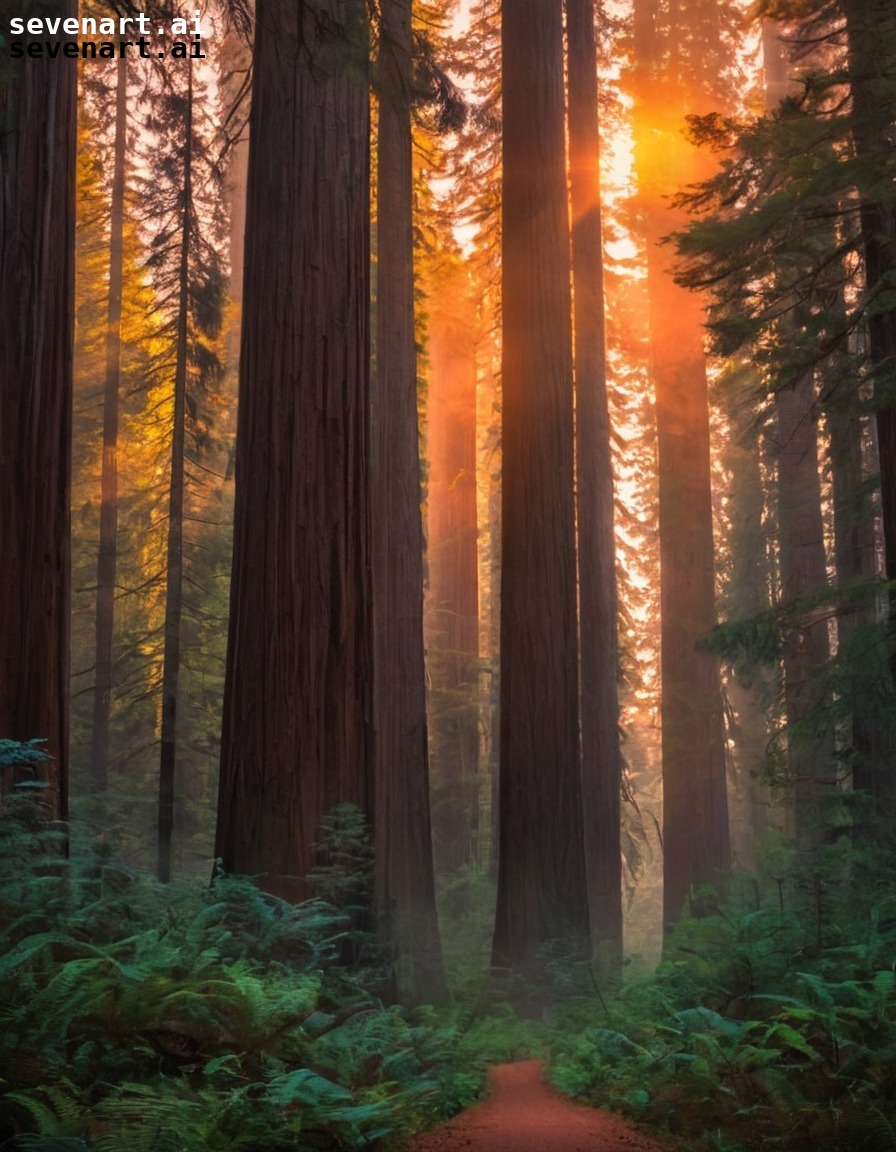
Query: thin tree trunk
[
  {"x": 598, "y": 659},
  {"x": 806, "y": 646},
  {"x": 37, "y": 204},
  {"x": 542, "y": 891},
  {"x": 748, "y": 595},
  {"x": 174, "y": 566},
  {"x": 855, "y": 560},
  {"x": 802, "y": 563},
  {"x": 297, "y": 701},
  {"x": 402, "y": 832},
  {"x": 108, "y": 544},
  {"x": 871, "y": 32}
]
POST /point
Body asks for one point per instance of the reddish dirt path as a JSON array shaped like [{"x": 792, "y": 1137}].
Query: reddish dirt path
[{"x": 523, "y": 1114}]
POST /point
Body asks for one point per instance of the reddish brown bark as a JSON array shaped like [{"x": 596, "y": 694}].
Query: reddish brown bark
[
  {"x": 107, "y": 557},
  {"x": 402, "y": 834},
  {"x": 174, "y": 562},
  {"x": 296, "y": 729},
  {"x": 696, "y": 848},
  {"x": 676, "y": 53},
  {"x": 37, "y": 162},
  {"x": 542, "y": 896},
  {"x": 598, "y": 656}
]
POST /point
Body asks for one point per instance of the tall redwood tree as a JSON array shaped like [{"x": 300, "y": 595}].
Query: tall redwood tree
[
  {"x": 297, "y": 709},
  {"x": 542, "y": 894},
  {"x": 679, "y": 62},
  {"x": 37, "y": 204},
  {"x": 107, "y": 555},
  {"x": 598, "y": 657},
  {"x": 402, "y": 835}
]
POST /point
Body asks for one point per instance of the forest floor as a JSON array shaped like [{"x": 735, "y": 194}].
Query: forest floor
[{"x": 523, "y": 1114}]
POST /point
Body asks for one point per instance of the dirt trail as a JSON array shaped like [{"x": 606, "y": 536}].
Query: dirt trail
[{"x": 523, "y": 1114}]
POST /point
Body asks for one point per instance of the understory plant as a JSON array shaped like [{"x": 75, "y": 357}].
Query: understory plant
[
  {"x": 769, "y": 1024},
  {"x": 187, "y": 1019}
]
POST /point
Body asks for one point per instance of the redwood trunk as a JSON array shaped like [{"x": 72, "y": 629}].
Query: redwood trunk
[
  {"x": 803, "y": 571},
  {"x": 542, "y": 896},
  {"x": 174, "y": 566},
  {"x": 296, "y": 730},
  {"x": 601, "y": 762},
  {"x": 452, "y": 564},
  {"x": 37, "y": 202},
  {"x": 403, "y": 838},
  {"x": 673, "y": 80},
  {"x": 856, "y": 561},
  {"x": 871, "y": 31},
  {"x": 696, "y": 847},
  {"x": 107, "y": 558}
]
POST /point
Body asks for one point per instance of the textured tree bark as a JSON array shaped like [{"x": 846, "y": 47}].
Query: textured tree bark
[
  {"x": 402, "y": 832},
  {"x": 297, "y": 709},
  {"x": 174, "y": 562},
  {"x": 107, "y": 558},
  {"x": 674, "y": 63},
  {"x": 598, "y": 656},
  {"x": 37, "y": 197},
  {"x": 542, "y": 896}
]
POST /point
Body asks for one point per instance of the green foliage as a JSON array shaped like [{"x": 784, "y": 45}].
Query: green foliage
[
  {"x": 171, "y": 1019},
  {"x": 14, "y": 753},
  {"x": 153, "y": 1018},
  {"x": 771, "y": 1022}
]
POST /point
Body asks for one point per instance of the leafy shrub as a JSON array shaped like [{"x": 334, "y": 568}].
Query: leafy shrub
[
  {"x": 767, "y": 1025},
  {"x": 152, "y": 1018}
]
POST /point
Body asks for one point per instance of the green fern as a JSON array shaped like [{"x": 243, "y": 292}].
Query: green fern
[{"x": 869, "y": 1130}]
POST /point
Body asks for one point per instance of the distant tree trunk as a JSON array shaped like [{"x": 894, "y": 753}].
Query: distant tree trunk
[
  {"x": 802, "y": 559},
  {"x": 747, "y": 596},
  {"x": 236, "y": 193},
  {"x": 855, "y": 559},
  {"x": 803, "y": 571},
  {"x": 402, "y": 832},
  {"x": 598, "y": 658},
  {"x": 696, "y": 848},
  {"x": 542, "y": 893},
  {"x": 174, "y": 564},
  {"x": 297, "y": 703},
  {"x": 672, "y": 81},
  {"x": 871, "y": 33},
  {"x": 108, "y": 545},
  {"x": 452, "y": 563},
  {"x": 37, "y": 204},
  {"x": 236, "y": 180}
]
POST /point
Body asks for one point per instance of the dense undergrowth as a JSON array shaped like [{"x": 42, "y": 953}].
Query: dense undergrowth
[
  {"x": 196, "y": 1019},
  {"x": 770, "y": 1023},
  {"x": 204, "y": 1018}
]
